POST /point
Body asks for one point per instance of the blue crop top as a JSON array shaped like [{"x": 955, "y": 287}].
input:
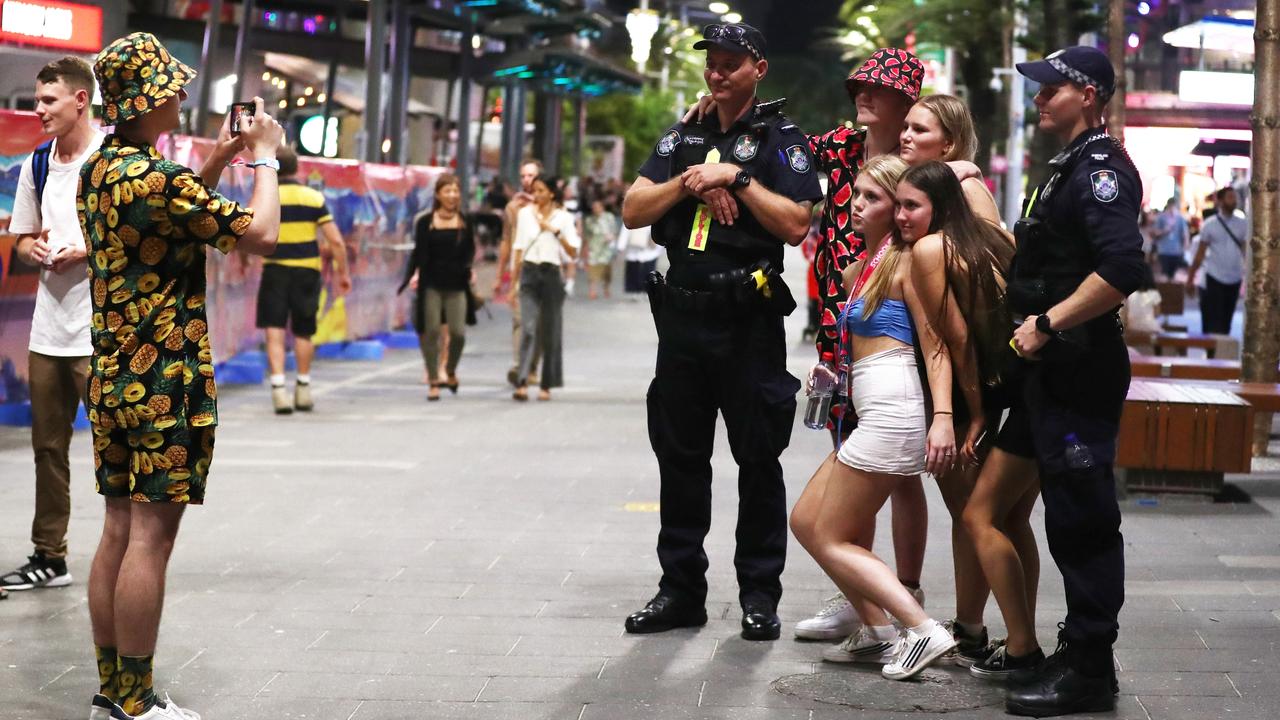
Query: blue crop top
[{"x": 891, "y": 319}]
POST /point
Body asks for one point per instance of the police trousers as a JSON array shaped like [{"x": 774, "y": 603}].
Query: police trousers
[
  {"x": 1074, "y": 405},
  {"x": 731, "y": 361}
]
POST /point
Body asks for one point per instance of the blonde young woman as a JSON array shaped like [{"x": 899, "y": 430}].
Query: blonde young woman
[
  {"x": 893, "y": 442},
  {"x": 940, "y": 128}
]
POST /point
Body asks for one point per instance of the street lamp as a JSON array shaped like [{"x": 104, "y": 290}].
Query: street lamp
[{"x": 642, "y": 25}]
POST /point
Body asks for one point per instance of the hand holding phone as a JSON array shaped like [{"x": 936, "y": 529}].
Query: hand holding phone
[{"x": 241, "y": 116}]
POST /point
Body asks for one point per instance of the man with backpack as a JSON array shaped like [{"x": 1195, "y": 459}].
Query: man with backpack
[{"x": 44, "y": 219}]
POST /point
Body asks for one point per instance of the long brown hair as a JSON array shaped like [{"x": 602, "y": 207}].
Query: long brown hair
[
  {"x": 443, "y": 182},
  {"x": 977, "y": 257}
]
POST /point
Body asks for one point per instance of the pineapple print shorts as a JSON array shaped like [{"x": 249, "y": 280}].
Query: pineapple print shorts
[{"x": 169, "y": 465}]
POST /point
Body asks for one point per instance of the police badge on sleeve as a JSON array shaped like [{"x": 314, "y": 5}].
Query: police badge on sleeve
[
  {"x": 799, "y": 159},
  {"x": 1105, "y": 186},
  {"x": 667, "y": 144}
]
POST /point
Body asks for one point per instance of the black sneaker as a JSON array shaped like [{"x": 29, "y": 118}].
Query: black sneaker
[
  {"x": 1000, "y": 665},
  {"x": 965, "y": 643},
  {"x": 970, "y": 656},
  {"x": 40, "y": 572}
]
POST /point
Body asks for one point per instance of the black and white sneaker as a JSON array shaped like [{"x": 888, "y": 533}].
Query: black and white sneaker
[
  {"x": 39, "y": 572},
  {"x": 969, "y": 656},
  {"x": 917, "y": 651},
  {"x": 1001, "y": 664},
  {"x": 967, "y": 646}
]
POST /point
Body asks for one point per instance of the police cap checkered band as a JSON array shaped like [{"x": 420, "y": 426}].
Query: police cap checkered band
[
  {"x": 1082, "y": 65},
  {"x": 1080, "y": 78},
  {"x": 735, "y": 37}
]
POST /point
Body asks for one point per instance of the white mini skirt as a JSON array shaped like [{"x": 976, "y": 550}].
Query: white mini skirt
[{"x": 890, "y": 436}]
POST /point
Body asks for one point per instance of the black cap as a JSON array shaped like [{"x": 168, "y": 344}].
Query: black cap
[
  {"x": 1081, "y": 64},
  {"x": 734, "y": 37}
]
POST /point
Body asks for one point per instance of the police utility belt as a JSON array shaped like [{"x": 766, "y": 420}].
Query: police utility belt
[{"x": 756, "y": 288}]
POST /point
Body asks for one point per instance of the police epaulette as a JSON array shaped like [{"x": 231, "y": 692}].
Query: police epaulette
[{"x": 771, "y": 107}]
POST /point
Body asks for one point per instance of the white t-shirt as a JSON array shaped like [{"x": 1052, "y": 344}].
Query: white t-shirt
[
  {"x": 1225, "y": 261},
  {"x": 60, "y": 324},
  {"x": 544, "y": 247}
]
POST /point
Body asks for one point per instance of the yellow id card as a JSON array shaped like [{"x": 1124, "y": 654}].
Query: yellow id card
[{"x": 703, "y": 218}]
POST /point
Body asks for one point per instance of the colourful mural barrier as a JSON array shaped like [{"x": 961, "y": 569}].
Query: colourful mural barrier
[{"x": 373, "y": 206}]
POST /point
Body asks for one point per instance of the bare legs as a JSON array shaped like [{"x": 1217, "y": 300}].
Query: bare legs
[
  {"x": 971, "y": 585},
  {"x": 126, "y": 584},
  {"x": 998, "y": 520},
  {"x": 275, "y": 351},
  {"x": 832, "y": 519}
]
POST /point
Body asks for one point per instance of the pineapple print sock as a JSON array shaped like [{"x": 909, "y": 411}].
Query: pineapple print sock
[
  {"x": 108, "y": 664},
  {"x": 133, "y": 685}
]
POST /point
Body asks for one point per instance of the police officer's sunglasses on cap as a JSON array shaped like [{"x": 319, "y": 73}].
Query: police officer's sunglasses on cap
[{"x": 734, "y": 33}]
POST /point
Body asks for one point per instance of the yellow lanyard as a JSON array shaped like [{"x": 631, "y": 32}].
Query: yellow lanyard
[{"x": 703, "y": 218}]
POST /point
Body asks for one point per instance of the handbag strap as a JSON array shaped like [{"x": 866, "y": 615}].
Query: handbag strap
[{"x": 1225, "y": 226}]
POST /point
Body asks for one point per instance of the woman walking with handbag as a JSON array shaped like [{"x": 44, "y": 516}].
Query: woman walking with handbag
[
  {"x": 545, "y": 231},
  {"x": 440, "y": 271}
]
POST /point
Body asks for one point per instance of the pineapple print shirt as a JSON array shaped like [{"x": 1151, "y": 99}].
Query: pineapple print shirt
[{"x": 146, "y": 222}]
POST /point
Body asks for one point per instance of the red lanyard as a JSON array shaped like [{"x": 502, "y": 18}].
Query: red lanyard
[{"x": 863, "y": 277}]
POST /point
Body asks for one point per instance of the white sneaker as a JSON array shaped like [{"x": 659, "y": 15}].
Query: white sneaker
[
  {"x": 861, "y": 647},
  {"x": 916, "y": 652},
  {"x": 166, "y": 709},
  {"x": 836, "y": 619}
]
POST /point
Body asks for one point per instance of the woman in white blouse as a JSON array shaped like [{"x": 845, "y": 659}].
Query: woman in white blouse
[{"x": 545, "y": 232}]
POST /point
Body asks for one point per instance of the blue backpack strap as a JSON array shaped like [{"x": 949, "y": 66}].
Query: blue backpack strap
[{"x": 40, "y": 168}]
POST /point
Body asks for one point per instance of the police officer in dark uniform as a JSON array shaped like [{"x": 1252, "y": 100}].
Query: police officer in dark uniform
[
  {"x": 723, "y": 196},
  {"x": 1079, "y": 256}
]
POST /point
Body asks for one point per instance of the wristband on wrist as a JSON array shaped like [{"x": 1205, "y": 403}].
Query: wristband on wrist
[{"x": 943, "y": 412}]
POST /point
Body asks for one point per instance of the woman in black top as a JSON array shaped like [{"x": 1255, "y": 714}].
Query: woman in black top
[{"x": 440, "y": 270}]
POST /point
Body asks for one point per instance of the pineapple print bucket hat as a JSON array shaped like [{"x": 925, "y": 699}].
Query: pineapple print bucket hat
[{"x": 136, "y": 75}]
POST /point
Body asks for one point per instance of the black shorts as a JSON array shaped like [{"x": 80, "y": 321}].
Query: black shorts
[{"x": 289, "y": 297}]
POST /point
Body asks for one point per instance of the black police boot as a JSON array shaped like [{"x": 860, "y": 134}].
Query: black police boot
[
  {"x": 1061, "y": 690},
  {"x": 760, "y": 622},
  {"x": 665, "y": 612}
]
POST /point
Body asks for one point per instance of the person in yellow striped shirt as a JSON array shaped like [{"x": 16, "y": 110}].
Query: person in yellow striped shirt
[{"x": 289, "y": 294}]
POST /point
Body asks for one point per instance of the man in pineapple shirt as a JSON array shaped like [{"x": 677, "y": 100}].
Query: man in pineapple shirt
[{"x": 147, "y": 223}]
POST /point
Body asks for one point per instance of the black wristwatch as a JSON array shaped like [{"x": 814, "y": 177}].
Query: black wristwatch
[
  {"x": 1043, "y": 325},
  {"x": 741, "y": 180}
]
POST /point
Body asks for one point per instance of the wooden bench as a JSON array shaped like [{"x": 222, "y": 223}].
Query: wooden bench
[
  {"x": 1173, "y": 298},
  {"x": 1264, "y": 397},
  {"x": 1182, "y": 367},
  {"x": 1180, "y": 342},
  {"x": 1182, "y": 437}
]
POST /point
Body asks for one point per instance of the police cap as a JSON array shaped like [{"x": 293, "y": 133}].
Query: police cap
[
  {"x": 734, "y": 37},
  {"x": 1082, "y": 65}
]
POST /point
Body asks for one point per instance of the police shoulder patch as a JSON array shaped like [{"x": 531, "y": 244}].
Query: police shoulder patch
[
  {"x": 798, "y": 158},
  {"x": 667, "y": 144},
  {"x": 1105, "y": 185},
  {"x": 746, "y": 147}
]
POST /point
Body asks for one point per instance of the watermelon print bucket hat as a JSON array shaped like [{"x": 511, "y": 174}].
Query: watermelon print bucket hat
[
  {"x": 136, "y": 75},
  {"x": 892, "y": 68}
]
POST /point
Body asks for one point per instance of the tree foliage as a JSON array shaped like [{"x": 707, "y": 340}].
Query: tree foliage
[{"x": 639, "y": 119}]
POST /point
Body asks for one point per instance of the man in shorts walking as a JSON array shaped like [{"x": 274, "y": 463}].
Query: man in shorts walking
[
  {"x": 152, "y": 402},
  {"x": 289, "y": 294},
  {"x": 44, "y": 219}
]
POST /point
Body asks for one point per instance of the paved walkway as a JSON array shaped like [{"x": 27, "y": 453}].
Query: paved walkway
[{"x": 383, "y": 558}]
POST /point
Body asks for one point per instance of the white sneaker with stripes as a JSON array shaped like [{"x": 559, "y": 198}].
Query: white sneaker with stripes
[
  {"x": 862, "y": 647},
  {"x": 39, "y": 572},
  {"x": 917, "y": 651}
]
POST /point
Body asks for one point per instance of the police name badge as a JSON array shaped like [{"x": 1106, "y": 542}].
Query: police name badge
[
  {"x": 798, "y": 159},
  {"x": 667, "y": 144},
  {"x": 1105, "y": 186},
  {"x": 746, "y": 148}
]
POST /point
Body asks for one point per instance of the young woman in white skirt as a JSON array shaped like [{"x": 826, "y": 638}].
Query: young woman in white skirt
[{"x": 894, "y": 439}]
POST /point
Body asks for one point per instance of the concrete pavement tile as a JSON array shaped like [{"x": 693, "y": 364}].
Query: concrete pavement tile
[
  {"x": 1205, "y": 619},
  {"x": 451, "y": 606},
  {"x": 225, "y": 707},
  {"x": 673, "y": 693},
  {"x": 401, "y": 710},
  {"x": 1258, "y": 686},
  {"x": 435, "y": 643},
  {"x": 1241, "y": 602},
  {"x": 1243, "y": 660},
  {"x": 310, "y": 660},
  {"x": 384, "y": 622},
  {"x": 531, "y": 627},
  {"x": 1204, "y": 708},
  {"x": 1229, "y": 638},
  {"x": 721, "y": 667},
  {"x": 1148, "y": 638},
  {"x": 453, "y": 688},
  {"x": 1207, "y": 684},
  {"x": 496, "y": 665},
  {"x": 676, "y": 643},
  {"x": 639, "y": 711}
]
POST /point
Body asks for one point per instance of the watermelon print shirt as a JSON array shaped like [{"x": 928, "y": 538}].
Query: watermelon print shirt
[{"x": 839, "y": 154}]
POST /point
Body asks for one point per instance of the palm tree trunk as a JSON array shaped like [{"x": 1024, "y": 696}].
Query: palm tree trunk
[{"x": 1262, "y": 306}]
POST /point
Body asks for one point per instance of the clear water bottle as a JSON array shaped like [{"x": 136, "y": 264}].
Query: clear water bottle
[
  {"x": 1077, "y": 454},
  {"x": 822, "y": 386}
]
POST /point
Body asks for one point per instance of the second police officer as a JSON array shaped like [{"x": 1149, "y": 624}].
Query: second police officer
[
  {"x": 724, "y": 196},
  {"x": 1079, "y": 255}
]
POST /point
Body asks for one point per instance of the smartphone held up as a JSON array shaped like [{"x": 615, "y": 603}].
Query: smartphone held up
[{"x": 241, "y": 116}]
